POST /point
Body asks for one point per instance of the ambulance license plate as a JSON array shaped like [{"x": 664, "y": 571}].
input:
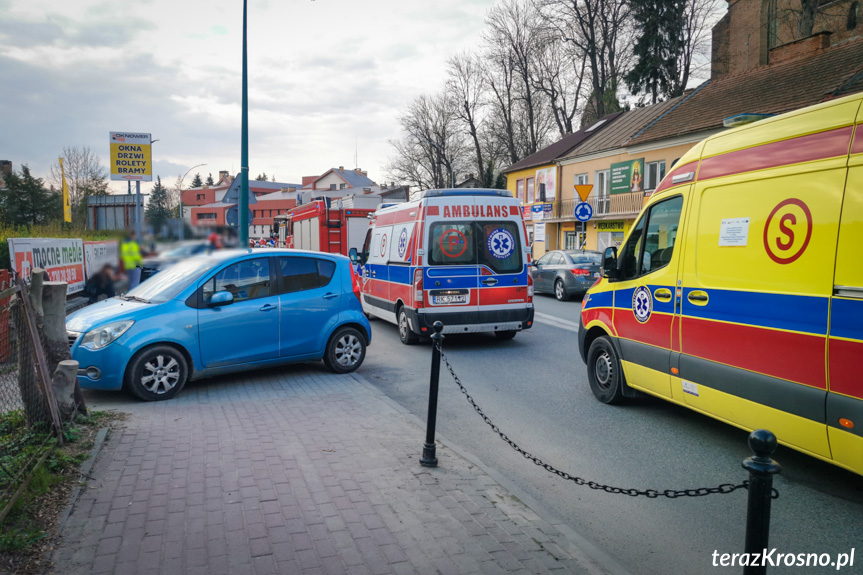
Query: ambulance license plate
[{"x": 448, "y": 299}]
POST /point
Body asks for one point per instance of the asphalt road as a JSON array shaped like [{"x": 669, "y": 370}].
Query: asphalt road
[{"x": 535, "y": 389}]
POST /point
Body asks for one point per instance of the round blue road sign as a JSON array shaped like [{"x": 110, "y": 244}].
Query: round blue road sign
[{"x": 583, "y": 212}]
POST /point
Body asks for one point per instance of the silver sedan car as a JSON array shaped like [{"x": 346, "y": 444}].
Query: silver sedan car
[{"x": 566, "y": 273}]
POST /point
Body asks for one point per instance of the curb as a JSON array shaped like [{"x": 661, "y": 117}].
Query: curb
[
  {"x": 85, "y": 471},
  {"x": 575, "y": 541}
]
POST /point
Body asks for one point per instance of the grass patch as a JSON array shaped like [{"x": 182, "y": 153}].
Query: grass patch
[{"x": 27, "y": 530}]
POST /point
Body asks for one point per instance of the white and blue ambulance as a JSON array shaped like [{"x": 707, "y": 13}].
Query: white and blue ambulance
[{"x": 458, "y": 256}]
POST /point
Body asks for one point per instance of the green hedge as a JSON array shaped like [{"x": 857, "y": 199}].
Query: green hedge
[{"x": 54, "y": 230}]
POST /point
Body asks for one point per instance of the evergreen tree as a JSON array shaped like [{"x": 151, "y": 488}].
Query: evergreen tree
[
  {"x": 197, "y": 182},
  {"x": 261, "y": 177},
  {"x": 210, "y": 181},
  {"x": 26, "y": 202},
  {"x": 660, "y": 28},
  {"x": 159, "y": 209}
]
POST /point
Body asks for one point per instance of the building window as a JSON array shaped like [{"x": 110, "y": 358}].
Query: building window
[
  {"x": 654, "y": 172},
  {"x": 341, "y": 186},
  {"x": 601, "y": 187},
  {"x": 580, "y": 179},
  {"x": 529, "y": 199},
  {"x": 519, "y": 190},
  {"x": 206, "y": 216},
  {"x": 332, "y": 187},
  {"x": 852, "y": 16}
]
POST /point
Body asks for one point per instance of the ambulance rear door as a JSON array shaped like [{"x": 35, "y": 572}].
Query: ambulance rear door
[
  {"x": 845, "y": 344},
  {"x": 450, "y": 275},
  {"x": 502, "y": 285}
]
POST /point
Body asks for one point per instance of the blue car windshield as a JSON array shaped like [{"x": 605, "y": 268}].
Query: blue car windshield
[{"x": 166, "y": 285}]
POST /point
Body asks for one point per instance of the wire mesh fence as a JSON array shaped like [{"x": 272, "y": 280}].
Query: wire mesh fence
[{"x": 29, "y": 418}]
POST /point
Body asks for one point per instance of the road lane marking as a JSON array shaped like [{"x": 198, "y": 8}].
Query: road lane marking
[{"x": 555, "y": 321}]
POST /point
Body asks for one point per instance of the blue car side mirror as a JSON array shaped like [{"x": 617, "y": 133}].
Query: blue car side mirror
[{"x": 221, "y": 298}]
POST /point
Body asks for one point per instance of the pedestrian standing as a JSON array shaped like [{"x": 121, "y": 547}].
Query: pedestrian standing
[{"x": 130, "y": 253}]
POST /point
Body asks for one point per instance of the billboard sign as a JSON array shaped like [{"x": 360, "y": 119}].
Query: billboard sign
[
  {"x": 99, "y": 254},
  {"x": 548, "y": 178},
  {"x": 129, "y": 156},
  {"x": 627, "y": 176},
  {"x": 62, "y": 259}
]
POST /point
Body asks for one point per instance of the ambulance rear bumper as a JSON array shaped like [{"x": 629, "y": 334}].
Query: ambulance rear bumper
[{"x": 421, "y": 321}]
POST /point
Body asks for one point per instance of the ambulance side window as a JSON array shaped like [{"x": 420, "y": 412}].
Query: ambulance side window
[{"x": 651, "y": 243}]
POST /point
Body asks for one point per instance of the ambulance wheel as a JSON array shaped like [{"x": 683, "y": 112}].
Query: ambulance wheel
[
  {"x": 508, "y": 334},
  {"x": 560, "y": 291},
  {"x": 604, "y": 371},
  {"x": 346, "y": 350},
  {"x": 407, "y": 336}
]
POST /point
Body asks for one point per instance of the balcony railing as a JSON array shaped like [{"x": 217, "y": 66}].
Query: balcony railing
[{"x": 613, "y": 205}]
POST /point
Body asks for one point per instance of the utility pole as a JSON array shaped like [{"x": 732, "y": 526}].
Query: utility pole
[{"x": 243, "y": 204}]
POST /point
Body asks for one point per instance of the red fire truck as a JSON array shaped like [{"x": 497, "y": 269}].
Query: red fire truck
[{"x": 334, "y": 229}]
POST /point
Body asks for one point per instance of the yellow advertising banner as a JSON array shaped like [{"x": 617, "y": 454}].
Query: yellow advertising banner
[
  {"x": 129, "y": 157},
  {"x": 67, "y": 202}
]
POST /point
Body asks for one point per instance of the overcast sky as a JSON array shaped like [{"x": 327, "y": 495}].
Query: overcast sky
[{"x": 327, "y": 79}]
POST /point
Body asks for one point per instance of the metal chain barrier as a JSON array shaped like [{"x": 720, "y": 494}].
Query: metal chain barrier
[{"x": 649, "y": 493}]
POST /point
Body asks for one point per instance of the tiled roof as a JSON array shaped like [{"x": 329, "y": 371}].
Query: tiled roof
[
  {"x": 561, "y": 147},
  {"x": 621, "y": 131},
  {"x": 771, "y": 89},
  {"x": 354, "y": 179}
]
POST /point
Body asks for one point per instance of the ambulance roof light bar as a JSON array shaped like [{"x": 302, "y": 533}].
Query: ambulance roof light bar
[{"x": 467, "y": 192}]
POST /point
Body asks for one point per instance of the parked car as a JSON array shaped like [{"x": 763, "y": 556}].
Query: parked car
[
  {"x": 151, "y": 266},
  {"x": 566, "y": 273},
  {"x": 222, "y": 312}
]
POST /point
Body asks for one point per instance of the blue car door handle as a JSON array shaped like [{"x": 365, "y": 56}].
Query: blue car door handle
[
  {"x": 331, "y": 295},
  {"x": 268, "y": 307}
]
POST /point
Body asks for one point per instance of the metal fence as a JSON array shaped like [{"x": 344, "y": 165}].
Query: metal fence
[{"x": 29, "y": 417}]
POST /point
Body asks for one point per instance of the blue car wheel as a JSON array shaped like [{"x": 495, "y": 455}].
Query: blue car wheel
[
  {"x": 157, "y": 373},
  {"x": 345, "y": 350}
]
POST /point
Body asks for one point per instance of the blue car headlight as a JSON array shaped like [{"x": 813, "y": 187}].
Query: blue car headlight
[{"x": 100, "y": 337}]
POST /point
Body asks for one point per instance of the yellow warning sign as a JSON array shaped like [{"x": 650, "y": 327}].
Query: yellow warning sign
[{"x": 583, "y": 191}]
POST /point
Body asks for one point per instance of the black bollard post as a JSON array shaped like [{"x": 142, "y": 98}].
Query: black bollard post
[
  {"x": 429, "y": 459},
  {"x": 761, "y": 471}
]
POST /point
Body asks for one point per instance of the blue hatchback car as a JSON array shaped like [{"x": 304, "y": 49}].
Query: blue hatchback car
[{"x": 218, "y": 313}]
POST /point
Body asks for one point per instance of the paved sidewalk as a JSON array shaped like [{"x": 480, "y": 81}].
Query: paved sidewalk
[{"x": 294, "y": 470}]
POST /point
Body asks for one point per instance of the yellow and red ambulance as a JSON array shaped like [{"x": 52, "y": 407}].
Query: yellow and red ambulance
[
  {"x": 739, "y": 291},
  {"x": 458, "y": 256}
]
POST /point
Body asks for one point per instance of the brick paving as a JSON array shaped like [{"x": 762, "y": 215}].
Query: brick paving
[{"x": 295, "y": 470}]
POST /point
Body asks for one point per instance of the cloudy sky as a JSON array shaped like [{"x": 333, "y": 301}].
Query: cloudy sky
[{"x": 327, "y": 79}]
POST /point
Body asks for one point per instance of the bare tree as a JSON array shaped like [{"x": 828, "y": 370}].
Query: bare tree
[
  {"x": 85, "y": 175},
  {"x": 560, "y": 75},
  {"x": 432, "y": 150},
  {"x": 700, "y": 16},
  {"x": 466, "y": 85},
  {"x": 513, "y": 34},
  {"x": 601, "y": 30}
]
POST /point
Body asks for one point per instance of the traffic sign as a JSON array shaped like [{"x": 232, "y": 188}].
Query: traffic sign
[
  {"x": 583, "y": 191},
  {"x": 583, "y": 212}
]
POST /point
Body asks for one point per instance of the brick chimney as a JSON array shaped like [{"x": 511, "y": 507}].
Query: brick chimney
[{"x": 6, "y": 167}]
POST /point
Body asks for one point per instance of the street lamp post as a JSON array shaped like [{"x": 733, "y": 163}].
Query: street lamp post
[{"x": 182, "y": 217}]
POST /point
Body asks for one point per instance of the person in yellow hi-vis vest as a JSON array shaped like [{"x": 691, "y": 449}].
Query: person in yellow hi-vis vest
[{"x": 130, "y": 253}]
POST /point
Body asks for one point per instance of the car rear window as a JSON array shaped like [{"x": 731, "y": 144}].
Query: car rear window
[
  {"x": 300, "y": 274},
  {"x": 589, "y": 258}
]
